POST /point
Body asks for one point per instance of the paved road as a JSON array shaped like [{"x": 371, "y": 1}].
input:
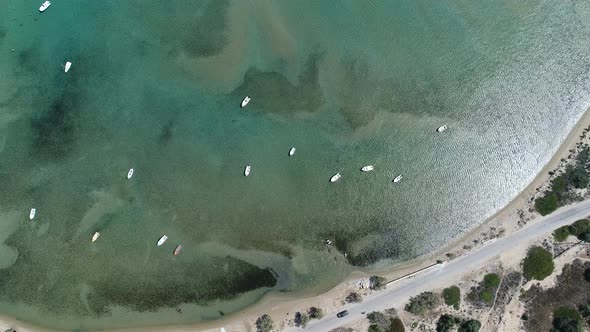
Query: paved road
[{"x": 446, "y": 274}]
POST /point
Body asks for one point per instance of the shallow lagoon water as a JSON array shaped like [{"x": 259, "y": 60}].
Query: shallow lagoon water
[{"x": 157, "y": 87}]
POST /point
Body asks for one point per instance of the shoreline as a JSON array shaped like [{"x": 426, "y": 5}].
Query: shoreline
[{"x": 506, "y": 219}]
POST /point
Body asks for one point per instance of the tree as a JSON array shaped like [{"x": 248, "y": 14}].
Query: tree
[
  {"x": 379, "y": 319},
  {"x": 445, "y": 323},
  {"x": 315, "y": 313},
  {"x": 561, "y": 234},
  {"x": 264, "y": 324},
  {"x": 471, "y": 325},
  {"x": 587, "y": 274},
  {"x": 538, "y": 264},
  {"x": 584, "y": 236},
  {"x": 452, "y": 296},
  {"x": 377, "y": 282},
  {"x": 300, "y": 319},
  {"x": 491, "y": 280},
  {"x": 547, "y": 204},
  {"x": 354, "y": 297},
  {"x": 566, "y": 324},
  {"x": 487, "y": 296},
  {"x": 579, "y": 177},
  {"x": 579, "y": 227},
  {"x": 421, "y": 303},
  {"x": 584, "y": 310}
]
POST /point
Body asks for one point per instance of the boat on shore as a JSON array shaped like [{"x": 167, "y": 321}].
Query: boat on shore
[
  {"x": 95, "y": 236},
  {"x": 130, "y": 173},
  {"x": 441, "y": 129},
  {"x": 292, "y": 152},
  {"x": 177, "y": 250},
  {"x": 32, "y": 213},
  {"x": 67, "y": 66},
  {"x": 245, "y": 102},
  {"x": 44, "y": 6},
  {"x": 335, "y": 177},
  {"x": 397, "y": 178},
  {"x": 368, "y": 168},
  {"x": 247, "y": 170},
  {"x": 162, "y": 240}
]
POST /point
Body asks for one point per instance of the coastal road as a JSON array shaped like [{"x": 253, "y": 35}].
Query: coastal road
[{"x": 444, "y": 275}]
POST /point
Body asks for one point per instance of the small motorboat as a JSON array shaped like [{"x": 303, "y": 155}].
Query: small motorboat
[
  {"x": 177, "y": 250},
  {"x": 292, "y": 152},
  {"x": 44, "y": 6},
  {"x": 32, "y": 213},
  {"x": 130, "y": 173},
  {"x": 368, "y": 168},
  {"x": 247, "y": 170},
  {"x": 441, "y": 129},
  {"x": 397, "y": 178},
  {"x": 67, "y": 66},
  {"x": 335, "y": 177},
  {"x": 245, "y": 102},
  {"x": 95, "y": 236},
  {"x": 162, "y": 240}
]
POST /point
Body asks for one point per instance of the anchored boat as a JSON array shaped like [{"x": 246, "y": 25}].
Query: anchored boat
[
  {"x": 247, "y": 170},
  {"x": 245, "y": 102},
  {"x": 367, "y": 168},
  {"x": 441, "y": 128},
  {"x": 67, "y": 66},
  {"x": 397, "y": 178},
  {"x": 130, "y": 173},
  {"x": 44, "y": 6},
  {"x": 95, "y": 236},
  {"x": 162, "y": 240},
  {"x": 32, "y": 213},
  {"x": 291, "y": 152},
  {"x": 177, "y": 250},
  {"x": 335, "y": 177}
]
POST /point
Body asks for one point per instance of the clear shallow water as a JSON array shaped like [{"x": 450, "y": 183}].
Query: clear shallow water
[{"x": 157, "y": 88}]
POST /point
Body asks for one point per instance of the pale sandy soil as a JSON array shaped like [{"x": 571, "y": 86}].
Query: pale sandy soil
[{"x": 281, "y": 307}]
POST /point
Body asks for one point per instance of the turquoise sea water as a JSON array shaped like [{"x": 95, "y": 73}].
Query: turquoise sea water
[{"x": 156, "y": 86}]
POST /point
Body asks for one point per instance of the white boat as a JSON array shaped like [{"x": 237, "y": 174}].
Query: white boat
[
  {"x": 441, "y": 128},
  {"x": 95, "y": 236},
  {"x": 292, "y": 152},
  {"x": 130, "y": 173},
  {"x": 368, "y": 168},
  {"x": 32, "y": 213},
  {"x": 245, "y": 101},
  {"x": 162, "y": 240},
  {"x": 247, "y": 170},
  {"x": 397, "y": 178},
  {"x": 44, "y": 6},
  {"x": 336, "y": 177},
  {"x": 67, "y": 66}
]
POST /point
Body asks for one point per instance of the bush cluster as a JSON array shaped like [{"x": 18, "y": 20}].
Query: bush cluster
[
  {"x": 538, "y": 264},
  {"x": 452, "y": 296},
  {"x": 421, "y": 303}
]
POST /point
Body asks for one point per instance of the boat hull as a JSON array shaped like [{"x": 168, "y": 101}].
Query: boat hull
[
  {"x": 367, "y": 168},
  {"x": 95, "y": 236},
  {"x": 336, "y": 177},
  {"x": 162, "y": 240},
  {"x": 245, "y": 102},
  {"x": 67, "y": 66},
  {"x": 247, "y": 170},
  {"x": 32, "y": 213},
  {"x": 130, "y": 173},
  {"x": 177, "y": 250}
]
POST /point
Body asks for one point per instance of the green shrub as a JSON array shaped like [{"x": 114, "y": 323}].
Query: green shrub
[
  {"x": 587, "y": 274},
  {"x": 315, "y": 313},
  {"x": 354, "y": 297},
  {"x": 487, "y": 295},
  {"x": 580, "y": 227},
  {"x": 446, "y": 323},
  {"x": 471, "y": 325},
  {"x": 491, "y": 280},
  {"x": 561, "y": 234},
  {"x": 578, "y": 177},
  {"x": 584, "y": 237},
  {"x": 378, "y": 318},
  {"x": 264, "y": 324},
  {"x": 452, "y": 296},
  {"x": 396, "y": 325},
  {"x": 566, "y": 324},
  {"x": 377, "y": 282},
  {"x": 538, "y": 264},
  {"x": 584, "y": 310},
  {"x": 567, "y": 312},
  {"x": 300, "y": 319},
  {"x": 421, "y": 303},
  {"x": 546, "y": 204}
]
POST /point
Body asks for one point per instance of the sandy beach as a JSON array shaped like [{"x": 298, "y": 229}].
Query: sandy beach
[{"x": 281, "y": 307}]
